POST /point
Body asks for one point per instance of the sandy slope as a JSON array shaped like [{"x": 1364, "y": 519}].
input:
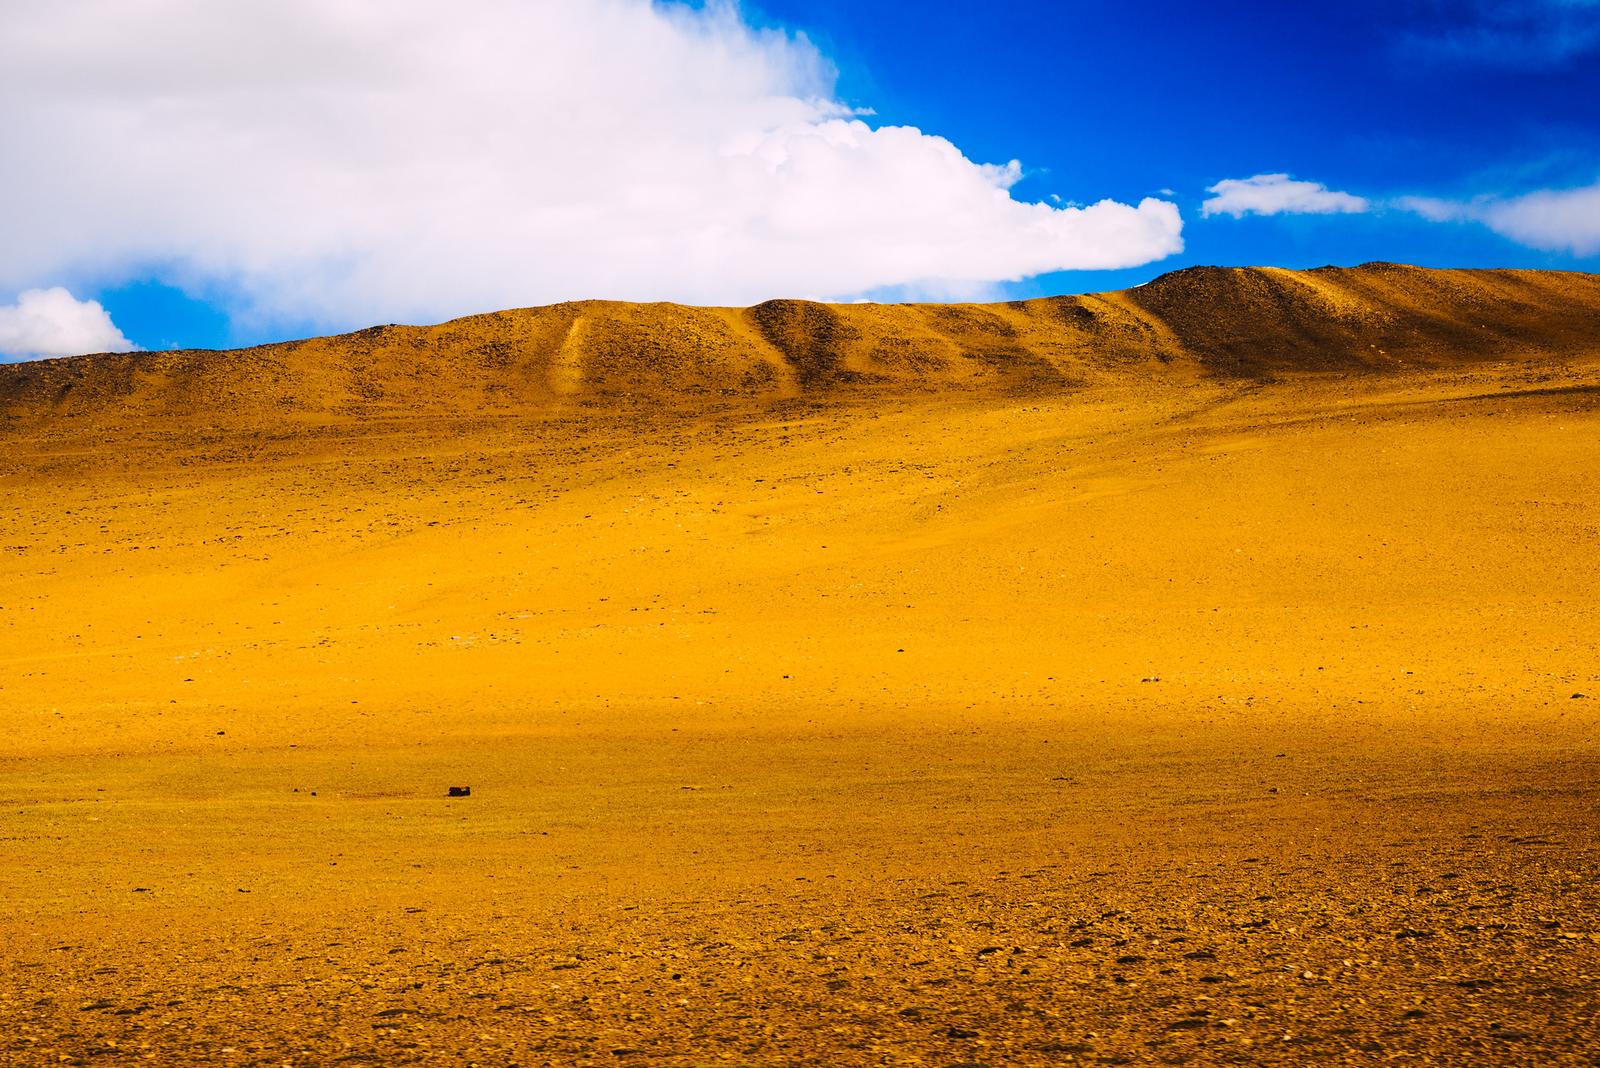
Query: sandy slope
[{"x": 1204, "y": 699}]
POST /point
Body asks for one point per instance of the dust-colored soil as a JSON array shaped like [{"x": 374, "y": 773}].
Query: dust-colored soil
[{"x": 1214, "y": 701}]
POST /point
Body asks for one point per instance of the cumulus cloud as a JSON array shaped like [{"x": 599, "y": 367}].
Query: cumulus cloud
[
  {"x": 346, "y": 161},
  {"x": 1556, "y": 220},
  {"x": 1277, "y": 194},
  {"x": 52, "y": 322}
]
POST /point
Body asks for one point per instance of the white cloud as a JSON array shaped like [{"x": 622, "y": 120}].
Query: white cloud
[
  {"x": 1277, "y": 194},
  {"x": 347, "y": 161},
  {"x": 1556, "y": 220},
  {"x": 52, "y": 322}
]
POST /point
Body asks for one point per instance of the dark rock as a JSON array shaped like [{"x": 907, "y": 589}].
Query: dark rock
[
  {"x": 1496, "y": 1031},
  {"x": 460, "y": 791}
]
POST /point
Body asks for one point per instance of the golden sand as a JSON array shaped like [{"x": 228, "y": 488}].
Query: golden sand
[{"x": 1179, "y": 675}]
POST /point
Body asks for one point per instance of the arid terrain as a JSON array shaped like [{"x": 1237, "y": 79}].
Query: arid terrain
[{"x": 1204, "y": 673}]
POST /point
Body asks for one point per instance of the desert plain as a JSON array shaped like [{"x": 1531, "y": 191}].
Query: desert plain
[{"x": 1206, "y": 673}]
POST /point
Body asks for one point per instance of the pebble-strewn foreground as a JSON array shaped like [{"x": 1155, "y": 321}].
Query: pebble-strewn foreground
[{"x": 1456, "y": 924}]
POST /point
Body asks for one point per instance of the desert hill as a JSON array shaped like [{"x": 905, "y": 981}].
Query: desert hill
[
  {"x": 1203, "y": 322},
  {"x": 1203, "y": 673}
]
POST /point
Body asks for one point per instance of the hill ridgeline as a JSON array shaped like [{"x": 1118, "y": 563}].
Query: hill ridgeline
[{"x": 1203, "y": 322}]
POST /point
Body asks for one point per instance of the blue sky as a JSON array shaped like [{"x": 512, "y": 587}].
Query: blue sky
[
  {"x": 303, "y": 167},
  {"x": 1450, "y": 99}
]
